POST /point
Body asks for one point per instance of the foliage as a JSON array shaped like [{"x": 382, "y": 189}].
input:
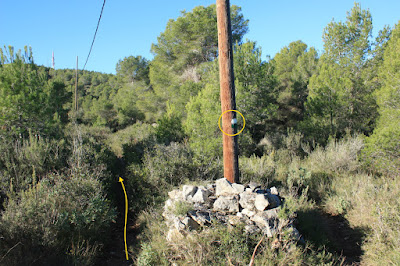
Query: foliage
[
  {"x": 169, "y": 165},
  {"x": 24, "y": 90},
  {"x": 382, "y": 147},
  {"x": 133, "y": 68},
  {"x": 181, "y": 208},
  {"x": 25, "y": 161},
  {"x": 293, "y": 67},
  {"x": 186, "y": 43},
  {"x": 339, "y": 96},
  {"x": 169, "y": 127},
  {"x": 155, "y": 124},
  {"x": 130, "y": 142},
  {"x": 257, "y": 169},
  {"x": 202, "y": 117},
  {"x": 55, "y": 212}
]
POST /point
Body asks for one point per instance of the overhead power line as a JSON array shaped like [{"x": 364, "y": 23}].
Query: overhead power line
[{"x": 94, "y": 37}]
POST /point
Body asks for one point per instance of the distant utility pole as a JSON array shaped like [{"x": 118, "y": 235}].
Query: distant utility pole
[
  {"x": 52, "y": 61},
  {"x": 227, "y": 88},
  {"x": 76, "y": 88}
]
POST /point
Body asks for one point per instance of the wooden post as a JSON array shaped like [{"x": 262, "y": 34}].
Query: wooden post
[
  {"x": 76, "y": 88},
  {"x": 227, "y": 88}
]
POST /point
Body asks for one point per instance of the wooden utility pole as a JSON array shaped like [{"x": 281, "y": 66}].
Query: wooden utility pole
[
  {"x": 227, "y": 88},
  {"x": 76, "y": 88}
]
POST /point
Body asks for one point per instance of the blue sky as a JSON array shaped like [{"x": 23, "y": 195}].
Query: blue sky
[{"x": 130, "y": 27}]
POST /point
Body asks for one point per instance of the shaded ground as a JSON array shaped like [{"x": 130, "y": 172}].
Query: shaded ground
[
  {"x": 333, "y": 232},
  {"x": 114, "y": 251}
]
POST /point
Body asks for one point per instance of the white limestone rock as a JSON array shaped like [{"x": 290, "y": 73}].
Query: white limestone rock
[
  {"x": 227, "y": 204},
  {"x": 238, "y": 187},
  {"x": 224, "y": 188},
  {"x": 201, "y": 195},
  {"x": 189, "y": 191},
  {"x": 248, "y": 213},
  {"x": 247, "y": 200},
  {"x": 261, "y": 202},
  {"x": 176, "y": 194},
  {"x": 274, "y": 191}
]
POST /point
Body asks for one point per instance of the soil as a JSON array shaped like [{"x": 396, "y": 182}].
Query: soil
[{"x": 115, "y": 250}]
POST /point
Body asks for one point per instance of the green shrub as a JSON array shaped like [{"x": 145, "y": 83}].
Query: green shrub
[
  {"x": 23, "y": 160},
  {"x": 163, "y": 168},
  {"x": 170, "y": 165},
  {"x": 258, "y": 169},
  {"x": 88, "y": 154},
  {"x": 169, "y": 129},
  {"x": 181, "y": 208},
  {"x": 57, "y": 215},
  {"x": 382, "y": 150},
  {"x": 337, "y": 156},
  {"x": 138, "y": 135},
  {"x": 147, "y": 256}
]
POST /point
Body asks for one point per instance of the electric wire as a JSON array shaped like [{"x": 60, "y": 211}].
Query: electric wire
[{"x": 94, "y": 37}]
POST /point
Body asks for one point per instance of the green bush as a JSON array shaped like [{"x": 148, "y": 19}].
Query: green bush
[
  {"x": 163, "y": 168},
  {"x": 137, "y": 135},
  {"x": 258, "y": 169},
  {"x": 382, "y": 150},
  {"x": 23, "y": 160},
  {"x": 56, "y": 215},
  {"x": 169, "y": 129},
  {"x": 170, "y": 165},
  {"x": 337, "y": 156}
]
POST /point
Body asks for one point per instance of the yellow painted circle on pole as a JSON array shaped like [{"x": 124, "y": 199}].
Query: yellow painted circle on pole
[{"x": 219, "y": 124}]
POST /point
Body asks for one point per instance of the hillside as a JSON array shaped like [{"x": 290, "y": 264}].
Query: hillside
[{"x": 323, "y": 128}]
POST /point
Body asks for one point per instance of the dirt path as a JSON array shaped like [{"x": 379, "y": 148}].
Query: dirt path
[{"x": 114, "y": 251}]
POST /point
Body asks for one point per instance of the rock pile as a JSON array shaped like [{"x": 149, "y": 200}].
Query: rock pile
[{"x": 223, "y": 202}]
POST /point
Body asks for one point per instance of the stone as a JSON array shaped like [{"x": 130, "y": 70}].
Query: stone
[
  {"x": 253, "y": 185},
  {"x": 271, "y": 213},
  {"x": 201, "y": 195},
  {"x": 264, "y": 224},
  {"x": 227, "y": 204},
  {"x": 268, "y": 231},
  {"x": 247, "y": 200},
  {"x": 274, "y": 201},
  {"x": 167, "y": 207},
  {"x": 248, "y": 212},
  {"x": 260, "y": 219},
  {"x": 274, "y": 191},
  {"x": 189, "y": 191},
  {"x": 238, "y": 187},
  {"x": 219, "y": 217},
  {"x": 294, "y": 233},
  {"x": 190, "y": 223},
  {"x": 240, "y": 215},
  {"x": 261, "y": 202},
  {"x": 200, "y": 217},
  {"x": 260, "y": 191},
  {"x": 178, "y": 224},
  {"x": 211, "y": 186},
  {"x": 224, "y": 188}
]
